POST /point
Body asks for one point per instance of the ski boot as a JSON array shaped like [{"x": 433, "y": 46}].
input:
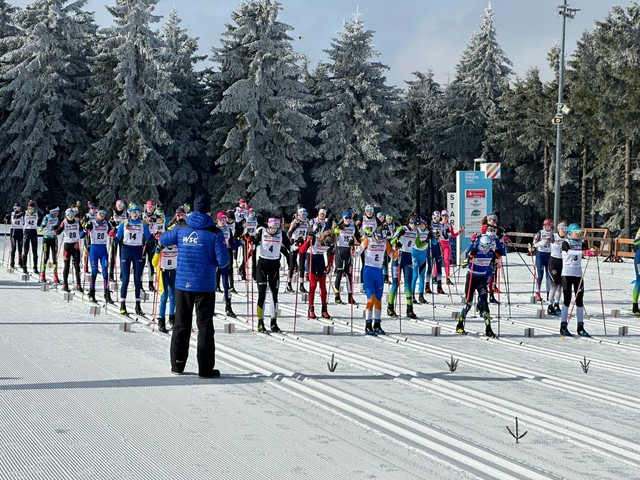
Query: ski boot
[
  {"x": 151, "y": 287},
  {"x": 556, "y": 307},
  {"x": 261, "y": 327},
  {"x": 460, "y": 327},
  {"x": 161, "y": 325},
  {"x": 368, "y": 328},
  {"x": 421, "y": 299},
  {"x": 55, "y": 277},
  {"x": 43, "y": 278},
  {"x": 274, "y": 326},
  {"x": 492, "y": 299},
  {"x": 218, "y": 289},
  {"x": 391, "y": 311},
  {"x": 79, "y": 288},
  {"x": 228, "y": 311},
  {"x": 107, "y": 296},
  {"x": 386, "y": 279},
  {"x": 123, "y": 308},
  {"x": 233, "y": 290},
  {"x": 635, "y": 310},
  {"x": 289, "y": 288},
  {"x": 337, "y": 298},
  {"x": 139, "y": 309},
  {"x": 449, "y": 282},
  {"x": 538, "y": 297},
  {"x": 172, "y": 320},
  {"x": 325, "y": 313},
  {"x": 489, "y": 332},
  {"x": 378, "y": 329},
  {"x": 302, "y": 289},
  {"x": 427, "y": 289},
  {"x": 24, "y": 269},
  {"x": 92, "y": 295},
  {"x": 352, "y": 300},
  {"x": 312, "y": 313},
  {"x": 413, "y": 299},
  {"x": 65, "y": 287},
  {"x": 440, "y": 290},
  {"x": 564, "y": 331},
  {"x": 112, "y": 277},
  {"x": 581, "y": 331},
  {"x": 551, "y": 310},
  {"x": 410, "y": 313},
  {"x": 36, "y": 271}
]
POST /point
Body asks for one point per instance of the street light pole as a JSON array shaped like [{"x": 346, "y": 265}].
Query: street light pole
[{"x": 565, "y": 11}]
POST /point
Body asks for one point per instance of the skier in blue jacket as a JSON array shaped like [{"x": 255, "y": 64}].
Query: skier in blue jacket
[{"x": 201, "y": 250}]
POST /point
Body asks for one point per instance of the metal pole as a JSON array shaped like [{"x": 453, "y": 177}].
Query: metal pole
[{"x": 565, "y": 11}]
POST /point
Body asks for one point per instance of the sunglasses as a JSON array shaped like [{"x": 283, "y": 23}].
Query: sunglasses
[{"x": 102, "y": 212}]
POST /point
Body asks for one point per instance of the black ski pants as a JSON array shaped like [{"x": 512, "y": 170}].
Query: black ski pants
[{"x": 204, "y": 305}]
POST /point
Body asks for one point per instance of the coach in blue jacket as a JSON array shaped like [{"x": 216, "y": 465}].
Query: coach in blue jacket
[{"x": 201, "y": 250}]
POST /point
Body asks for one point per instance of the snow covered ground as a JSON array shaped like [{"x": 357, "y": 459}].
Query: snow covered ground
[{"x": 81, "y": 399}]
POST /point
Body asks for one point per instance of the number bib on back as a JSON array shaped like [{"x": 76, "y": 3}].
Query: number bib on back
[{"x": 169, "y": 259}]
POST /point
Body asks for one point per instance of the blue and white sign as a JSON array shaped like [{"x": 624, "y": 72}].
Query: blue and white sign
[{"x": 475, "y": 201}]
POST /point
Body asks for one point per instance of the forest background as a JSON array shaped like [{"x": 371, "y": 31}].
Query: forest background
[{"x": 122, "y": 112}]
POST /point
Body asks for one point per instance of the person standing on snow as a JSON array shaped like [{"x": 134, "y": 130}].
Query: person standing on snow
[{"x": 201, "y": 250}]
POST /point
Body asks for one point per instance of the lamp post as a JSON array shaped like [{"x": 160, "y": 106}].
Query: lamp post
[{"x": 566, "y": 12}]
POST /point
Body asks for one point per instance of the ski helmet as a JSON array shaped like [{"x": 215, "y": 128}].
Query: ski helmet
[
  {"x": 485, "y": 244},
  {"x": 134, "y": 208},
  {"x": 574, "y": 228},
  {"x": 273, "y": 224},
  {"x": 70, "y": 213},
  {"x": 388, "y": 216},
  {"x": 547, "y": 223}
]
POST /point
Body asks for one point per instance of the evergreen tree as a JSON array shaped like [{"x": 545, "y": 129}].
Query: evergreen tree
[
  {"x": 130, "y": 104},
  {"x": 359, "y": 165},
  {"x": 269, "y": 139},
  {"x": 185, "y": 156},
  {"x": 473, "y": 100},
  {"x": 45, "y": 70}
]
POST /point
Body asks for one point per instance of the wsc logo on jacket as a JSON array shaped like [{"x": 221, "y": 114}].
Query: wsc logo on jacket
[{"x": 191, "y": 240}]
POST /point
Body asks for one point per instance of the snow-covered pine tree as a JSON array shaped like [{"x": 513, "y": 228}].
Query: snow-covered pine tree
[
  {"x": 186, "y": 154},
  {"x": 359, "y": 165},
  {"x": 45, "y": 68},
  {"x": 415, "y": 137},
  {"x": 473, "y": 98},
  {"x": 269, "y": 139},
  {"x": 130, "y": 103}
]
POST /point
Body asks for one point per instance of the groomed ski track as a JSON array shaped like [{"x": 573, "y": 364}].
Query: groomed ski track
[{"x": 391, "y": 409}]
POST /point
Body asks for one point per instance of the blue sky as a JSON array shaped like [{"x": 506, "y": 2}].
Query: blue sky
[{"x": 411, "y": 35}]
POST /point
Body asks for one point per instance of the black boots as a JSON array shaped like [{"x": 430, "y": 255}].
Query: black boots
[
  {"x": 228, "y": 311},
  {"x": 410, "y": 313},
  {"x": 162, "y": 326}
]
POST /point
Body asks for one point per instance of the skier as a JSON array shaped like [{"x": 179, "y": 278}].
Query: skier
[
  {"x": 150, "y": 217},
  {"x": 71, "y": 236},
  {"x": 17, "y": 234},
  {"x": 481, "y": 256},
  {"x": 573, "y": 278},
  {"x": 250, "y": 227},
  {"x": 493, "y": 230},
  {"x": 98, "y": 230},
  {"x": 388, "y": 229},
  {"x": 49, "y": 227},
  {"x": 118, "y": 215},
  {"x": 447, "y": 232},
  {"x": 404, "y": 240},
  {"x": 318, "y": 246},
  {"x": 419, "y": 261},
  {"x": 368, "y": 220},
  {"x": 434, "y": 257},
  {"x": 131, "y": 233},
  {"x": 298, "y": 231},
  {"x": 636, "y": 265},
  {"x": 555, "y": 269},
  {"x": 269, "y": 243},
  {"x": 179, "y": 218},
  {"x": 376, "y": 246},
  {"x": 30, "y": 236},
  {"x": 542, "y": 242},
  {"x": 166, "y": 261},
  {"x": 224, "y": 272},
  {"x": 346, "y": 235}
]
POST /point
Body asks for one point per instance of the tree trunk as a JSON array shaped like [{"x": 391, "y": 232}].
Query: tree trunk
[
  {"x": 627, "y": 190},
  {"x": 594, "y": 187},
  {"x": 545, "y": 173},
  {"x": 583, "y": 188},
  {"x": 418, "y": 185}
]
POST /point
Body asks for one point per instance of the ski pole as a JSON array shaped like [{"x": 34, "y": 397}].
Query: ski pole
[
  {"x": 155, "y": 293},
  {"x": 604, "y": 322},
  {"x": 468, "y": 298},
  {"x": 4, "y": 241},
  {"x": 399, "y": 295},
  {"x": 505, "y": 274},
  {"x": 499, "y": 293},
  {"x": 351, "y": 300}
]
